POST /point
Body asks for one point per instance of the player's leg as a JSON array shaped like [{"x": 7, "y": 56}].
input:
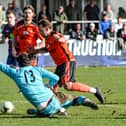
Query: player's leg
[
  {"x": 14, "y": 61},
  {"x": 9, "y": 59},
  {"x": 82, "y": 100},
  {"x": 53, "y": 107},
  {"x": 69, "y": 83},
  {"x": 69, "y": 79},
  {"x": 77, "y": 86},
  {"x": 65, "y": 72},
  {"x": 68, "y": 100},
  {"x": 61, "y": 71}
]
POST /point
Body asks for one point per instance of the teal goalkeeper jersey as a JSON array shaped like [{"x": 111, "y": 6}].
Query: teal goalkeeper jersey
[{"x": 29, "y": 80}]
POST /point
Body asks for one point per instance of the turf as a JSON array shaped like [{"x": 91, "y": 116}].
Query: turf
[{"x": 112, "y": 81}]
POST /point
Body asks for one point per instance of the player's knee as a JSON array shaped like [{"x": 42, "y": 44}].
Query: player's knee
[
  {"x": 68, "y": 85},
  {"x": 80, "y": 100}
]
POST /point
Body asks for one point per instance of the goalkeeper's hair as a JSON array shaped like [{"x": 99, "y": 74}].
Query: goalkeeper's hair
[{"x": 25, "y": 59}]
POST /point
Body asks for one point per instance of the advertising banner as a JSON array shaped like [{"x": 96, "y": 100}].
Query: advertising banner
[
  {"x": 91, "y": 53},
  {"x": 86, "y": 52}
]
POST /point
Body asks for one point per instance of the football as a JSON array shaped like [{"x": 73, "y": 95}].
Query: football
[{"x": 7, "y": 107}]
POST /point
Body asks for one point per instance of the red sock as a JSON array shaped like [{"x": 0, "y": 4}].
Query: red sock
[{"x": 76, "y": 86}]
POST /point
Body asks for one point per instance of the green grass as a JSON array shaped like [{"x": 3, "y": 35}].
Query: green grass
[{"x": 112, "y": 113}]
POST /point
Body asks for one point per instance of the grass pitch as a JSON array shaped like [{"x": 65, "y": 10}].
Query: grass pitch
[{"x": 111, "y": 80}]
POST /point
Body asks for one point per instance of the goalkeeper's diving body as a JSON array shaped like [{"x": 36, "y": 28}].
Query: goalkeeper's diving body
[{"x": 29, "y": 80}]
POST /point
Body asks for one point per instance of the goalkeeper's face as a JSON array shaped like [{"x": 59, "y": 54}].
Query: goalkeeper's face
[{"x": 24, "y": 59}]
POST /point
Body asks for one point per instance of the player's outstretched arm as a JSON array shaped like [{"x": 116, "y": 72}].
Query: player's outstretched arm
[
  {"x": 7, "y": 70},
  {"x": 53, "y": 78},
  {"x": 36, "y": 51},
  {"x": 41, "y": 50}
]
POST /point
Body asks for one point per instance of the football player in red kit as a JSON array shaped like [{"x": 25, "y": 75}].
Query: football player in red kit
[{"x": 56, "y": 45}]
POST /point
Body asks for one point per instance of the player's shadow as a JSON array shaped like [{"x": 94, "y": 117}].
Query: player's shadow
[
  {"x": 5, "y": 116},
  {"x": 27, "y": 116}
]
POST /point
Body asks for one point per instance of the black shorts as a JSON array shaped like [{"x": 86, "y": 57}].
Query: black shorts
[
  {"x": 72, "y": 71},
  {"x": 66, "y": 72}
]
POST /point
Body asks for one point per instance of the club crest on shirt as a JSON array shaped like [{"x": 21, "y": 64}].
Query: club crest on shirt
[{"x": 25, "y": 32}]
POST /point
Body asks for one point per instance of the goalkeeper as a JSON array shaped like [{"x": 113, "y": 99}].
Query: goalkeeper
[{"x": 29, "y": 80}]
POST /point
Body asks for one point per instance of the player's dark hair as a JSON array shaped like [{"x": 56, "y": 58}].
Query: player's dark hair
[
  {"x": 25, "y": 59},
  {"x": 29, "y": 7},
  {"x": 45, "y": 23},
  {"x": 10, "y": 11}
]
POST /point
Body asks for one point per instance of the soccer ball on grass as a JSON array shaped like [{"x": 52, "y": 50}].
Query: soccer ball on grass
[{"x": 7, "y": 107}]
